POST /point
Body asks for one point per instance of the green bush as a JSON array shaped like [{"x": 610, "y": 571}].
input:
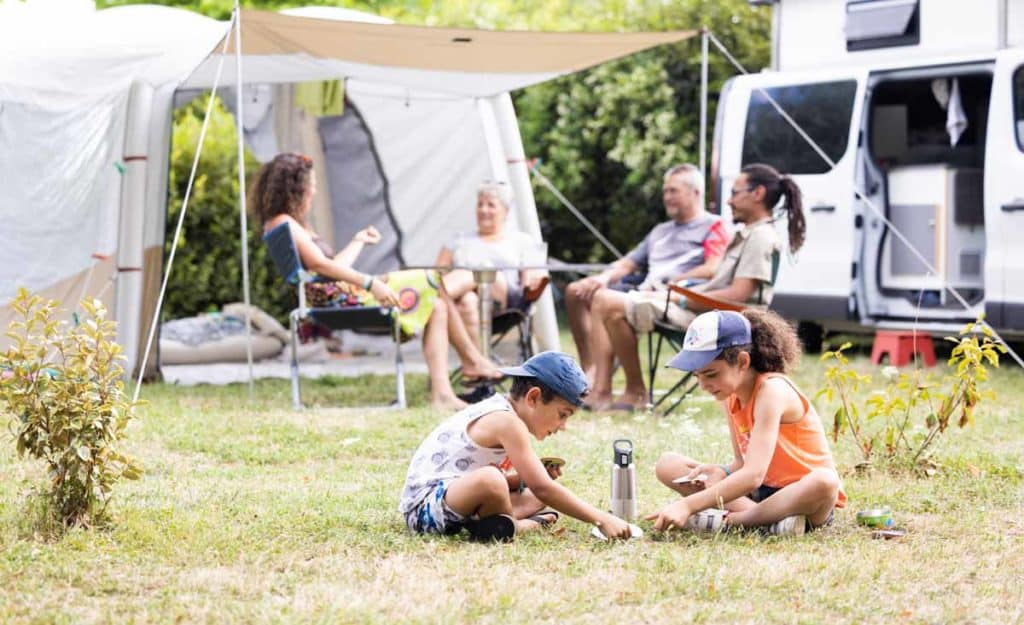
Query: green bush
[
  {"x": 207, "y": 270},
  {"x": 898, "y": 423},
  {"x": 62, "y": 384}
]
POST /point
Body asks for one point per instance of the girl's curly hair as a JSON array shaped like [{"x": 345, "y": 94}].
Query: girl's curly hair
[
  {"x": 280, "y": 187},
  {"x": 775, "y": 347}
]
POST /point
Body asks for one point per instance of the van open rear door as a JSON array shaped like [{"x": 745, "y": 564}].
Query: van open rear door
[
  {"x": 1004, "y": 194},
  {"x": 814, "y": 285}
]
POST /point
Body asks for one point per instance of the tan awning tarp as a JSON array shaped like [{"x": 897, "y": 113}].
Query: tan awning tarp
[
  {"x": 443, "y": 49},
  {"x": 461, "y": 62}
]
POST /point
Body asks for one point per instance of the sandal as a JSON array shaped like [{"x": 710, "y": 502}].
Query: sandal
[
  {"x": 480, "y": 380},
  {"x": 544, "y": 518},
  {"x": 497, "y": 528}
]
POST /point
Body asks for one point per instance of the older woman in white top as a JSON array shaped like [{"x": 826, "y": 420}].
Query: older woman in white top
[{"x": 492, "y": 245}]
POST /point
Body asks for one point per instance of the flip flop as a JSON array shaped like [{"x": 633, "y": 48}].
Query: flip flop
[
  {"x": 544, "y": 518},
  {"x": 497, "y": 528},
  {"x": 622, "y": 406}
]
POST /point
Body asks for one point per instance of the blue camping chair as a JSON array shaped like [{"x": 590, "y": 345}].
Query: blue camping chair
[{"x": 376, "y": 319}]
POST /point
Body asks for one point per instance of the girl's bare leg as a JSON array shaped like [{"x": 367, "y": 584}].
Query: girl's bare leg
[{"x": 813, "y": 496}]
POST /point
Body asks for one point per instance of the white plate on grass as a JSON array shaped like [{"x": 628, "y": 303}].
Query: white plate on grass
[{"x": 634, "y": 530}]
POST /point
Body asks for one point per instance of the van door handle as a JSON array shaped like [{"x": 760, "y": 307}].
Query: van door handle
[
  {"x": 826, "y": 208},
  {"x": 1012, "y": 208}
]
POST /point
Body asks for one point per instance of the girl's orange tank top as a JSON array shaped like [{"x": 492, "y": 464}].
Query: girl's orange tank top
[{"x": 801, "y": 445}]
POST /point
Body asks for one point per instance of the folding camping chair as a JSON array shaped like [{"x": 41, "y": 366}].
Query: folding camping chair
[
  {"x": 377, "y": 319},
  {"x": 506, "y": 321},
  {"x": 665, "y": 332}
]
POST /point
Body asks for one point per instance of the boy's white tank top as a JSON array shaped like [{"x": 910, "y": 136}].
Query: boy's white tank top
[{"x": 449, "y": 452}]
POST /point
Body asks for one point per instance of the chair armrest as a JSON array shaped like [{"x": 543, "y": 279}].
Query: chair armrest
[{"x": 704, "y": 300}]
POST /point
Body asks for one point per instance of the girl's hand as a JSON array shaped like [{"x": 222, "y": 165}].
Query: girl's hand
[
  {"x": 672, "y": 516},
  {"x": 368, "y": 235},
  {"x": 383, "y": 293},
  {"x": 714, "y": 473}
]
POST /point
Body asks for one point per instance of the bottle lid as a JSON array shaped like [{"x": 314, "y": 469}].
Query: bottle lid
[{"x": 622, "y": 452}]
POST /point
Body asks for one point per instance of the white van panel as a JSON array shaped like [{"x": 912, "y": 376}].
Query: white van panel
[
  {"x": 1015, "y": 23},
  {"x": 1004, "y": 195},
  {"x": 812, "y": 32},
  {"x": 815, "y": 283}
]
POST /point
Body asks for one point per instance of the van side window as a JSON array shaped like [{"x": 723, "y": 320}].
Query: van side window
[
  {"x": 822, "y": 110},
  {"x": 1018, "y": 106},
  {"x": 882, "y": 23}
]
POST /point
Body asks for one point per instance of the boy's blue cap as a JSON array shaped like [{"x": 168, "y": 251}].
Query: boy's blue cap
[
  {"x": 708, "y": 335},
  {"x": 559, "y": 372}
]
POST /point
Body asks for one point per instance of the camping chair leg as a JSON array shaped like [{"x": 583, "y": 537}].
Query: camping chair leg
[
  {"x": 683, "y": 395},
  {"x": 653, "y": 354},
  {"x": 682, "y": 382},
  {"x": 399, "y": 365},
  {"x": 526, "y": 339},
  {"x": 293, "y": 325}
]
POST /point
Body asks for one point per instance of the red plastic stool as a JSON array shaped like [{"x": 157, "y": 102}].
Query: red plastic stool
[{"x": 900, "y": 346}]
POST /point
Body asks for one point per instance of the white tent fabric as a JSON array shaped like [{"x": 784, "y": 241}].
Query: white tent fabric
[
  {"x": 64, "y": 89},
  {"x": 86, "y": 101}
]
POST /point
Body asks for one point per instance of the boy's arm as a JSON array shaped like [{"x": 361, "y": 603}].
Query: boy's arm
[{"x": 512, "y": 434}]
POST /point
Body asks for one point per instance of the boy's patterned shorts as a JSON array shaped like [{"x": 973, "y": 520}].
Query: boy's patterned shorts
[{"x": 433, "y": 515}]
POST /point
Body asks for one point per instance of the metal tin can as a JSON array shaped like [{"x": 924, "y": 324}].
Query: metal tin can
[{"x": 880, "y": 516}]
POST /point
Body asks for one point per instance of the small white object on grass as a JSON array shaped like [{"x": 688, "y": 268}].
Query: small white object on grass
[{"x": 634, "y": 530}]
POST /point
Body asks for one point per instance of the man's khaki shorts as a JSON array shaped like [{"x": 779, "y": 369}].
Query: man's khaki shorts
[{"x": 643, "y": 308}]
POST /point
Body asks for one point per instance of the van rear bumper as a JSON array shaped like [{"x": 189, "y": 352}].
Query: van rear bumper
[
  {"x": 811, "y": 307},
  {"x": 1008, "y": 315}
]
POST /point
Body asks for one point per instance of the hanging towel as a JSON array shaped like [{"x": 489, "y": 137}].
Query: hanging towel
[{"x": 956, "y": 119}]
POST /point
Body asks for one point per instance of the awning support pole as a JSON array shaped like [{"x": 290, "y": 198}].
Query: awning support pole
[
  {"x": 242, "y": 222},
  {"x": 703, "y": 101}
]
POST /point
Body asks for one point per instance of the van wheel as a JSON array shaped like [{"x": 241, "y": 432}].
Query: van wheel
[{"x": 811, "y": 335}]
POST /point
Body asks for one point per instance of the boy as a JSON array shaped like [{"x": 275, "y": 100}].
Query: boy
[{"x": 458, "y": 477}]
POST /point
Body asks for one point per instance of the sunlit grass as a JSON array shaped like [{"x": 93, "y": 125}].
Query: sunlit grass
[{"x": 251, "y": 512}]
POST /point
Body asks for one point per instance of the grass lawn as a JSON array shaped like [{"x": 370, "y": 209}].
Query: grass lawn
[{"x": 252, "y": 513}]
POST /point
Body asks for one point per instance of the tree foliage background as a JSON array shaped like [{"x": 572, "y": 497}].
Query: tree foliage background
[{"x": 605, "y": 136}]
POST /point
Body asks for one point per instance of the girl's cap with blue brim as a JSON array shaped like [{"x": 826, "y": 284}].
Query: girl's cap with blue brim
[{"x": 708, "y": 335}]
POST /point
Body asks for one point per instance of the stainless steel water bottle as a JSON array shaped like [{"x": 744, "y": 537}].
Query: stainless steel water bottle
[{"x": 623, "y": 498}]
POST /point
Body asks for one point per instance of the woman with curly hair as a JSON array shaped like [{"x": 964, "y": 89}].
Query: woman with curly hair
[
  {"x": 283, "y": 193},
  {"x": 782, "y": 475}
]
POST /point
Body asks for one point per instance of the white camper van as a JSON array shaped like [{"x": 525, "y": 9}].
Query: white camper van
[{"x": 920, "y": 105}]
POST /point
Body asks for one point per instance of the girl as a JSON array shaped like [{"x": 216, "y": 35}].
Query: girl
[
  {"x": 782, "y": 474},
  {"x": 283, "y": 193}
]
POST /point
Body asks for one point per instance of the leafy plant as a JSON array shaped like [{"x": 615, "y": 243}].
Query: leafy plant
[
  {"x": 888, "y": 425},
  {"x": 62, "y": 384}
]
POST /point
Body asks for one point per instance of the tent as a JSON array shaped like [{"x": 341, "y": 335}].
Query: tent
[{"x": 86, "y": 104}]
